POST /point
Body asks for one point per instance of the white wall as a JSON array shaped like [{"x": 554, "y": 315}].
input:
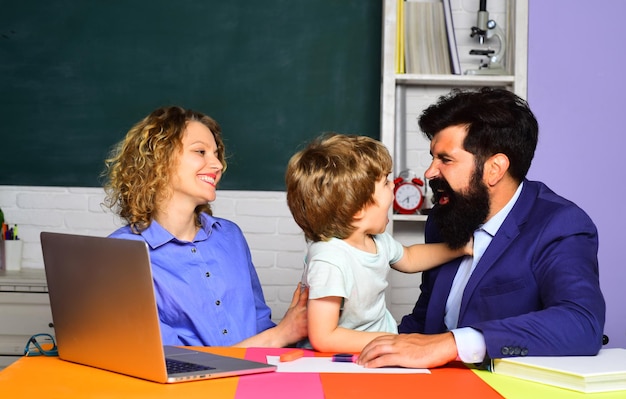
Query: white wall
[{"x": 276, "y": 242}]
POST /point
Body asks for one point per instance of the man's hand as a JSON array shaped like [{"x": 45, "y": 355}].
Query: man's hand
[{"x": 409, "y": 350}]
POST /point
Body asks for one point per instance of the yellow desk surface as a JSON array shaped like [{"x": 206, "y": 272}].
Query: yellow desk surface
[{"x": 50, "y": 377}]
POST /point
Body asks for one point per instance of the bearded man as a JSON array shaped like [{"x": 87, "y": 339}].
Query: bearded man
[{"x": 531, "y": 287}]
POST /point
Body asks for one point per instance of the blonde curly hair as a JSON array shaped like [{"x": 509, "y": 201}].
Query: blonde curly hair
[{"x": 137, "y": 171}]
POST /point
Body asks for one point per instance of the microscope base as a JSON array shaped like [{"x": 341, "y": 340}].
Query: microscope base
[{"x": 490, "y": 70}]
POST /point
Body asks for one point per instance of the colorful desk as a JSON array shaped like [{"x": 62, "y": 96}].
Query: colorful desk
[{"x": 48, "y": 377}]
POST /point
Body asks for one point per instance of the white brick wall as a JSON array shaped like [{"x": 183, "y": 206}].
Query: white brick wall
[{"x": 276, "y": 242}]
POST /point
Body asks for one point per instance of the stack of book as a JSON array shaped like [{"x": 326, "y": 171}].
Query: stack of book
[
  {"x": 426, "y": 38},
  {"x": 601, "y": 373}
]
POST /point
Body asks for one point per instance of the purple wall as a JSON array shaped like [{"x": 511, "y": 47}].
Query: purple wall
[{"x": 577, "y": 89}]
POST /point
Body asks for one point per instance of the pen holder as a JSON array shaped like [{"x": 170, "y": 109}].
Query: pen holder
[{"x": 11, "y": 254}]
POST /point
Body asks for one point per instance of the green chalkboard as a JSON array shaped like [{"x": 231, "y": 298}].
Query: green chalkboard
[{"x": 76, "y": 74}]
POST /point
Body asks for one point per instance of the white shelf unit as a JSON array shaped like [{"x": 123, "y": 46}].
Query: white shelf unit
[
  {"x": 405, "y": 96},
  {"x": 24, "y": 311}
]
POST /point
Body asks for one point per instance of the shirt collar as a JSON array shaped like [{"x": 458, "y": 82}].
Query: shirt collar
[
  {"x": 493, "y": 224},
  {"x": 155, "y": 235}
]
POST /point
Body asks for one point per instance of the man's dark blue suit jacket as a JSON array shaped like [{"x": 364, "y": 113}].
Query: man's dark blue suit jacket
[{"x": 536, "y": 289}]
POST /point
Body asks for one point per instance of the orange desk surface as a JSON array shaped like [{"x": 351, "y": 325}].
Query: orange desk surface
[{"x": 50, "y": 377}]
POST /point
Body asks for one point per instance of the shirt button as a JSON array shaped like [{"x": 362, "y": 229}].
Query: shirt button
[
  {"x": 224, "y": 331},
  {"x": 193, "y": 250},
  {"x": 208, "y": 274},
  {"x": 218, "y": 302}
]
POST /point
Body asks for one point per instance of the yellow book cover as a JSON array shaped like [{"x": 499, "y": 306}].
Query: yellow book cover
[{"x": 400, "y": 37}]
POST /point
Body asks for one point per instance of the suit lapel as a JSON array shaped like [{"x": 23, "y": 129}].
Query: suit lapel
[{"x": 505, "y": 235}]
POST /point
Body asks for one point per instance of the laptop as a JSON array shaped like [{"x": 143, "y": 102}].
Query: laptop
[{"x": 105, "y": 314}]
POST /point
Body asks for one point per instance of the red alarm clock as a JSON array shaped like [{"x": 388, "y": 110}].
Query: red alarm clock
[{"x": 408, "y": 195}]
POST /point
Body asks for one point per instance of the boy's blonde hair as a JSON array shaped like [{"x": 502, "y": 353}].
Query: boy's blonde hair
[
  {"x": 332, "y": 179},
  {"x": 139, "y": 167}
]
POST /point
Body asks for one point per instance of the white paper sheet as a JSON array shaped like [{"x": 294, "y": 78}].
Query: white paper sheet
[{"x": 326, "y": 365}]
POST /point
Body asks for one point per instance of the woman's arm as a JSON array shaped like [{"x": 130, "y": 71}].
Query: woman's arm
[{"x": 291, "y": 329}]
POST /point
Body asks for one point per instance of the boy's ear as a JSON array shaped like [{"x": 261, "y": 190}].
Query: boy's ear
[{"x": 359, "y": 215}]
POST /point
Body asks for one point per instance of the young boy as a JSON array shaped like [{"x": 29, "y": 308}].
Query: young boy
[{"x": 339, "y": 194}]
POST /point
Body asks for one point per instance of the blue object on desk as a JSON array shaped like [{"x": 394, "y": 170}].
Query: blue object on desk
[{"x": 344, "y": 357}]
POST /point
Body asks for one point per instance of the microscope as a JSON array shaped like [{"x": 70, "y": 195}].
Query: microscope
[{"x": 486, "y": 29}]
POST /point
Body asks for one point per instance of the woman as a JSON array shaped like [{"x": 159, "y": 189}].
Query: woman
[{"x": 160, "y": 180}]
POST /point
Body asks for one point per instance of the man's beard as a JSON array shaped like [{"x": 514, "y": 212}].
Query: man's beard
[{"x": 458, "y": 214}]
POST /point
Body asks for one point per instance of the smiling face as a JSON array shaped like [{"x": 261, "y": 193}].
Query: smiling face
[
  {"x": 451, "y": 162},
  {"x": 461, "y": 197},
  {"x": 198, "y": 168}
]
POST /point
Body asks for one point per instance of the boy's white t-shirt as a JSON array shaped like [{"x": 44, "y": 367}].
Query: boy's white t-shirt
[{"x": 335, "y": 268}]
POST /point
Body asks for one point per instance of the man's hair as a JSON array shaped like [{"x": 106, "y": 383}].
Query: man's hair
[
  {"x": 332, "y": 179},
  {"x": 138, "y": 168},
  {"x": 496, "y": 120}
]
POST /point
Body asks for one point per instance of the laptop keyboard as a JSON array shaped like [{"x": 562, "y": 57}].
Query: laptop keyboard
[{"x": 177, "y": 366}]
